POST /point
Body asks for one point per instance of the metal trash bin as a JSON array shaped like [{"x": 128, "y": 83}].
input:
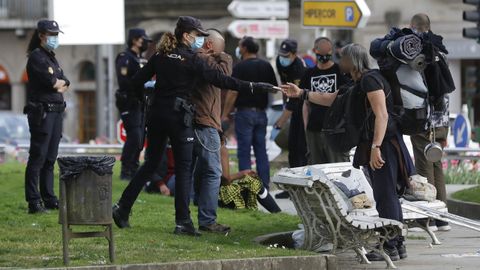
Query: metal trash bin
[{"x": 86, "y": 198}]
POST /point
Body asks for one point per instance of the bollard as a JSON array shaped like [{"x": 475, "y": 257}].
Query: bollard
[{"x": 86, "y": 199}]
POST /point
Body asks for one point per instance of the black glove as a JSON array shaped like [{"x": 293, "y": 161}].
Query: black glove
[{"x": 261, "y": 87}]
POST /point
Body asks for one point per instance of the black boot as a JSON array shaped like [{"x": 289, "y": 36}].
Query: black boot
[
  {"x": 402, "y": 251},
  {"x": 186, "y": 229},
  {"x": 36, "y": 208},
  {"x": 51, "y": 204},
  {"x": 269, "y": 203},
  {"x": 282, "y": 195},
  {"x": 375, "y": 256},
  {"x": 120, "y": 216}
]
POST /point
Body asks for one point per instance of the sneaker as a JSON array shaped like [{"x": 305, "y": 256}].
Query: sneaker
[
  {"x": 375, "y": 256},
  {"x": 186, "y": 229},
  {"x": 442, "y": 226},
  {"x": 215, "y": 228},
  {"x": 51, "y": 205},
  {"x": 36, "y": 208},
  {"x": 282, "y": 195},
  {"x": 432, "y": 225},
  {"x": 152, "y": 187},
  {"x": 120, "y": 216},
  {"x": 402, "y": 251}
]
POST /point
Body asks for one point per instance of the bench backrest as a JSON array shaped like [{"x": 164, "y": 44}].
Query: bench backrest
[{"x": 317, "y": 193}]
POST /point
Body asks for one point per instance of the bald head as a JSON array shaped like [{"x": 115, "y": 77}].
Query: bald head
[
  {"x": 420, "y": 22},
  {"x": 214, "y": 42}
]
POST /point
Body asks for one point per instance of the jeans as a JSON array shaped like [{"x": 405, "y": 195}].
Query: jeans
[
  {"x": 166, "y": 123},
  {"x": 251, "y": 129},
  {"x": 207, "y": 173},
  {"x": 44, "y": 140}
]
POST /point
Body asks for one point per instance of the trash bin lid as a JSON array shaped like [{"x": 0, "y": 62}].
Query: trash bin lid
[{"x": 72, "y": 167}]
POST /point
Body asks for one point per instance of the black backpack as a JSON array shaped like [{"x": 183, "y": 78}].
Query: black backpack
[{"x": 342, "y": 128}]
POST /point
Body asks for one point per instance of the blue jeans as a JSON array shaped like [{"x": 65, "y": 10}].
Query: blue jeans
[
  {"x": 251, "y": 129},
  {"x": 207, "y": 172}
]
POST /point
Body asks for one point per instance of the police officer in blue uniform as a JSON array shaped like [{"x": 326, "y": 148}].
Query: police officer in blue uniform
[
  {"x": 129, "y": 101},
  {"x": 44, "y": 110},
  {"x": 178, "y": 69}
]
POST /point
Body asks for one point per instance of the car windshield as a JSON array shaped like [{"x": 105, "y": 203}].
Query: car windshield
[{"x": 13, "y": 127}]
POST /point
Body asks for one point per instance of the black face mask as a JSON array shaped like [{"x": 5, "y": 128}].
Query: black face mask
[
  {"x": 144, "y": 46},
  {"x": 324, "y": 58}
]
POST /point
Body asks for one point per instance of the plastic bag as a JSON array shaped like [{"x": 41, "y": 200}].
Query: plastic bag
[{"x": 72, "y": 167}]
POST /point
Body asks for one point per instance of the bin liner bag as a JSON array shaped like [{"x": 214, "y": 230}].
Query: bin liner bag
[{"x": 72, "y": 167}]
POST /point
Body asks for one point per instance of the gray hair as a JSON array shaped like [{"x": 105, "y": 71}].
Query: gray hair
[{"x": 358, "y": 55}]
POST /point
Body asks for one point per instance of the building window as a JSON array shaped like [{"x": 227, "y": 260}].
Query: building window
[{"x": 87, "y": 72}]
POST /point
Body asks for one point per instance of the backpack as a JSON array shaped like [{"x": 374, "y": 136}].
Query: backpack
[
  {"x": 342, "y": 125},
  {"x": 410, "y": 99},
  {"x": 343, "y": 131}
]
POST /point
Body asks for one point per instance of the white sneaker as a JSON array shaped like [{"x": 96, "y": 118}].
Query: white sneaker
[
  {"x": 444, "y": 228},
  {"x": 418, "y": 229}
]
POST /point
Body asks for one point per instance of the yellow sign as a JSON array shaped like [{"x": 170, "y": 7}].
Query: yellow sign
[{"x": 340, "y": 14}]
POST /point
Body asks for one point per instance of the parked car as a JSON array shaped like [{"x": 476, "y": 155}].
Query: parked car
[{"x": 14, "y": 129}]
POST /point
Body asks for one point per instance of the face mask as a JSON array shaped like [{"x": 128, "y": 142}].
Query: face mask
[
  {"x": 324, "y": 58},
  {"x": 284, "y": 61},
  {"x": 198, "y": 43},
  {"x": 237, "y": 53},
  {"x": 144, "y": 46},
  {"x": 52, "y": 43}
]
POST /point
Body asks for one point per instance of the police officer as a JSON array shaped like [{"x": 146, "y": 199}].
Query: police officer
[
  {"x": 44, "y": 110},
  {"x": 130, "y": 102},
  {"x": 178, "y": 69}
]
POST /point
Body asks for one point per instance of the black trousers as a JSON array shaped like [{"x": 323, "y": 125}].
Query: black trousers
[
  {"x": 44, "y": 140},
  {"x": 133, "y": 121},
  {"x": 297, "y": 143},
  {"x": 166, "y": 123},
  {"x": 384, "y": 185}
]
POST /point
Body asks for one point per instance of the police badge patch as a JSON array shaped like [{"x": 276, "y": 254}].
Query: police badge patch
[{"x": 124, "y": 71}]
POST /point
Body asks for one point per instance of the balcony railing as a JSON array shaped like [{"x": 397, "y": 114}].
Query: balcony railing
[{"x": 22, "y": 13}]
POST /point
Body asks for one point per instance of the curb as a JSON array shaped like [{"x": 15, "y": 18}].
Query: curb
[
  {"x": 465, "y": 209},
  {"x": 317, "y": 262}
]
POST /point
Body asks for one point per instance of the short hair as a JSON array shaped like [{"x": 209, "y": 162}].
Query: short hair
[
  {"x": 250, "y": 44},
  {"x": 320, "y": 39},
  {"x": 358, "y": 55},
  {"x": 421, "y": 22},
  {"x": 214, "y": 33}
]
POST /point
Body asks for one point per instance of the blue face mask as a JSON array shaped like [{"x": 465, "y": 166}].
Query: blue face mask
[
  {"x": 238, "y": 54},
  {"x": 52, "y": 43},
  {"x": 285, "y": 61},
  {"x": 198, "y": 43}
]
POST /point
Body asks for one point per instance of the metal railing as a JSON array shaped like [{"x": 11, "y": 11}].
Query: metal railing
[
  {"x": 116, "y": 149},
  {"x": 23, "y": 9}
]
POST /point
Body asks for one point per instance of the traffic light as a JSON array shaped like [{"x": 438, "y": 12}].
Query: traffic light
[{"x": 472, "y": 16}]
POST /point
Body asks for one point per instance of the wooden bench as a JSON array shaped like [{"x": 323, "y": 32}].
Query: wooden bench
[{"x": 324, "y": 212}]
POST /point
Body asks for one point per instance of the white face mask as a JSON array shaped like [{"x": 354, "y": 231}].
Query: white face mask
[{"x": 237, "y": 53}]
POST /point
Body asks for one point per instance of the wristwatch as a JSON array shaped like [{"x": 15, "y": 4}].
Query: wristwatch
[{"x": 375, "y": 146}]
